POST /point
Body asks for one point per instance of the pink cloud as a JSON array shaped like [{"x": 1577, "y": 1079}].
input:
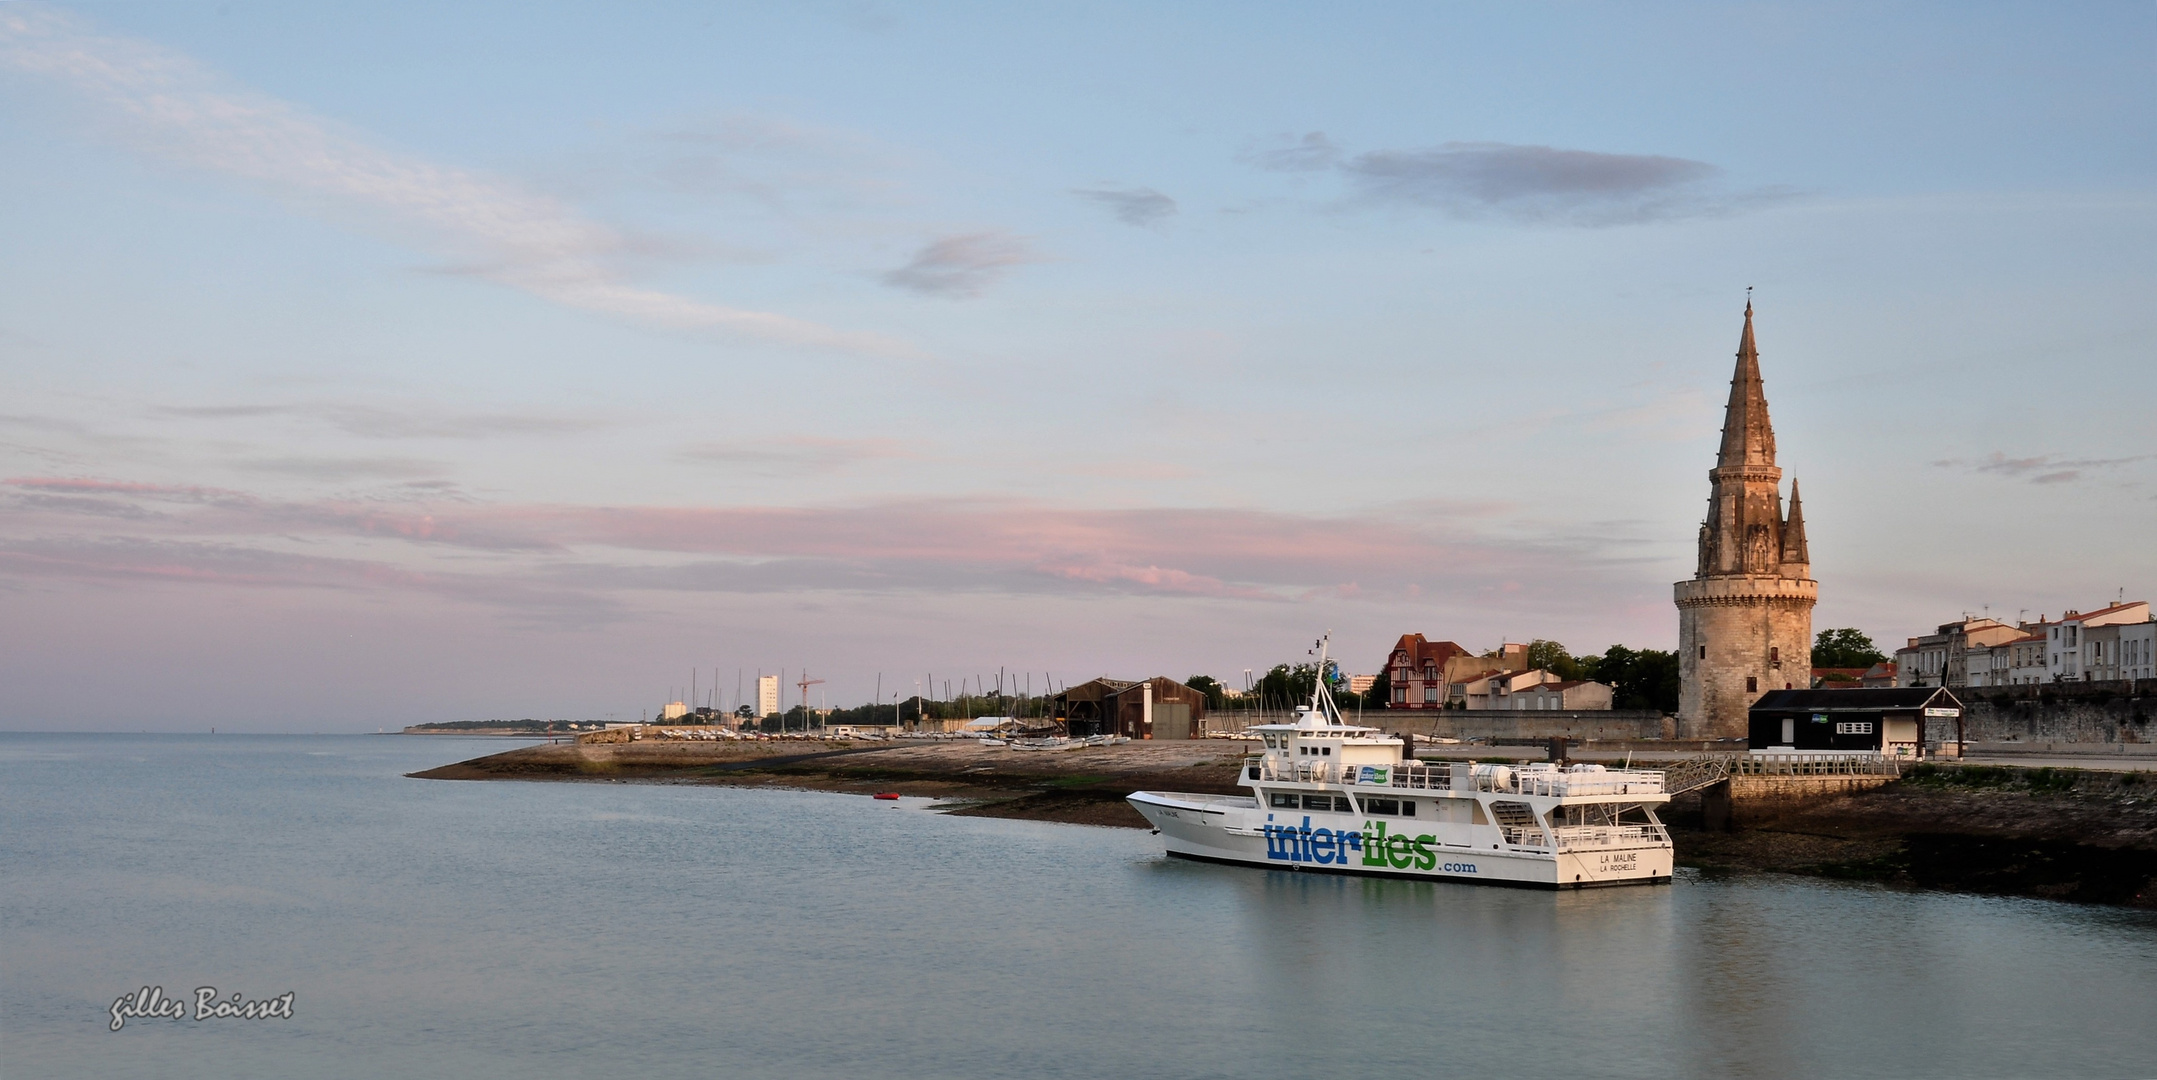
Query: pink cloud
[
  {"x": 1001, "y": 545},
  {"x": 1153, "y": 577},
  {"x": 84, "y": 485}
]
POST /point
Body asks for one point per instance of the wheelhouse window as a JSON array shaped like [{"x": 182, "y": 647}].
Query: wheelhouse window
[
  {"x": 1326, "y": 802},
  {"x": 1282, "y": 800}
]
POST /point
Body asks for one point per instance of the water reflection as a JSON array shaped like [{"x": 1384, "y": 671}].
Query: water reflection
[{"x": 483, "y": 929}]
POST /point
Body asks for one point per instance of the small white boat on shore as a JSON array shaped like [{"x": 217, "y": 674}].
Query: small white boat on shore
[{"x": 1337, "y": 798}]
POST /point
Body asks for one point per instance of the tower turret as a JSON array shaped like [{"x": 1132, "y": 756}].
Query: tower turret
[{"x": 1797, "y": 562}]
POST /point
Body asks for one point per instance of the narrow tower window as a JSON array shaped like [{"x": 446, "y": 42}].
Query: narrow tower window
[
  {"x": 1752, "y": 684},
  {"x": 1775, "y": 657}
]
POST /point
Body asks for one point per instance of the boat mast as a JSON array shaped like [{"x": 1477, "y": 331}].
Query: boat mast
[{"x": 1322, "y": 698}]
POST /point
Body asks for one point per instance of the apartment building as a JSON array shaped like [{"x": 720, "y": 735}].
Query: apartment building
[
  {"x": 2115, "y": 642},
  {"x": 2078, "y": 644}
]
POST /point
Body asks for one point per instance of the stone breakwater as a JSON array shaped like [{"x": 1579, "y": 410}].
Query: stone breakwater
[
  {"x": 2067, "y": 834},
  {"x": 1084, "y": 786}
]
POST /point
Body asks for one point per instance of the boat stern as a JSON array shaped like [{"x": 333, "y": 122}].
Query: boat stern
[{"x": 1645, "y": 865}]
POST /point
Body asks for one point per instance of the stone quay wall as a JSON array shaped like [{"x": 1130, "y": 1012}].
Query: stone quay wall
[
  {"x": 2121, "y": 713},
  {"x": 1744, "y": 802},
  {"x": 1578, "y": 725}
]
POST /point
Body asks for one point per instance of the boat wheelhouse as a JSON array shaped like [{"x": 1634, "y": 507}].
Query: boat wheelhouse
[{"x": 1335, "y": 797}]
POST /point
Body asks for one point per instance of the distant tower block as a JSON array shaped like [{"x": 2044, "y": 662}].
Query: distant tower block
[
  {"x": 767, "y": 694},
  {"x": 1745, "y": 618}
]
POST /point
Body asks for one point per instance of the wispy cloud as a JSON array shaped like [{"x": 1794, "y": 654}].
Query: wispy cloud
[
  {"x": 2040, "y": 469},
  {"x": 1541, "y": 184},
  {"x": 165, "y": 103},
  {"x": 197, "y": 511},
  {"x": 320, "y": 467},
  {"x": 1005, "y": 546},
  {"x": 138, "y": 561},
  {"x": 962, "y": 266},
  {"x": 401, "y": 422},
  {"x": 1313, "y": 152},
  {"x": 1140, "y": 206},
  {"x": 1537, "y": 182},
  {"x": 794, "y": 455}
]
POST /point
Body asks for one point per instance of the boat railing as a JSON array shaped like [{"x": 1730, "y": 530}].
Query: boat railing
[
  {"x": 1421, "y": 777},
  {"x": 1578, "y": 837},
  {"x": 1463, "y": 776},
  {"x": 1556, "y": 784}
]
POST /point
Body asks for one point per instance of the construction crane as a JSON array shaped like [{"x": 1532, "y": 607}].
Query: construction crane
[{"x": 805, "y": 683}]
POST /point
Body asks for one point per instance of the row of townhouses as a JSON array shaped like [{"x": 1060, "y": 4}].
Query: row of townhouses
[
  {"x": 1441, "y": 675},
  {"x": 2116, "y": 642}
]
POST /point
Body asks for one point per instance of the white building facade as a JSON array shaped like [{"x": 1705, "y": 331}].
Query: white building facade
[
  {"x": 2116, "y": 642},
  {"x": 2075, "y": 655}
]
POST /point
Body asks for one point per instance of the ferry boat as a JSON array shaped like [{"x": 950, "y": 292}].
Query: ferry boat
[{"x": 1337, "y": 798}]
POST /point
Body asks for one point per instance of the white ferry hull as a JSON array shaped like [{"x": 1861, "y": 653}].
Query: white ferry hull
[{"x": 1230, "y": 830}]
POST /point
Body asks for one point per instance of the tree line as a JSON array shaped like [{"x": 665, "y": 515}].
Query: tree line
[{"x": 1638, "y": 678}]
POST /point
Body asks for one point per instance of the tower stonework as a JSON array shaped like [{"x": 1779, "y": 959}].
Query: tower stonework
[{"x": 1745, "y": 618}]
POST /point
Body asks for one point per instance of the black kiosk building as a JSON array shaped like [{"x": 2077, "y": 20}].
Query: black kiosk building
[{"x": 1885, "y": 720}]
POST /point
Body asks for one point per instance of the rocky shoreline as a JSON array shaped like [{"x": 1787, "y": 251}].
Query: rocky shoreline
[
  {"x": 2061, "y": 834},
  {"x": 2075, "y": 835}
]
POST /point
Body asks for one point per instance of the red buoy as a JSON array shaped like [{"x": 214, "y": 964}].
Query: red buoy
[{"x": 885, "y": 795}]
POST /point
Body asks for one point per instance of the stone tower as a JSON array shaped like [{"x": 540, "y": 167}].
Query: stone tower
[{"x": 1745, "y": 618}]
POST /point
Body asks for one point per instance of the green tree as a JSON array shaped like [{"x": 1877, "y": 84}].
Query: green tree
[
  {"x": 1845, "y": 648},
  {"x": 1551, "y": 656},
  {"x": 1209, "y": 686},
  {"x": 1380, "y": 695},
  {"x": 1638, "y": 678},
  {"x": 1287, "y": 686}
]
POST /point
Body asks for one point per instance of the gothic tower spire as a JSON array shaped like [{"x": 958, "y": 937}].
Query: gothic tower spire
[{"x": 1748, "y": 437}]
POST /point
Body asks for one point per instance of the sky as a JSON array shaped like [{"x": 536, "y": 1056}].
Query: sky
[{"x": 367, "y": 365}]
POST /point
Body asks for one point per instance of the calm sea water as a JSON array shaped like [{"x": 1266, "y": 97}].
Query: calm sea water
[{"x": 614, "y": 930}]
